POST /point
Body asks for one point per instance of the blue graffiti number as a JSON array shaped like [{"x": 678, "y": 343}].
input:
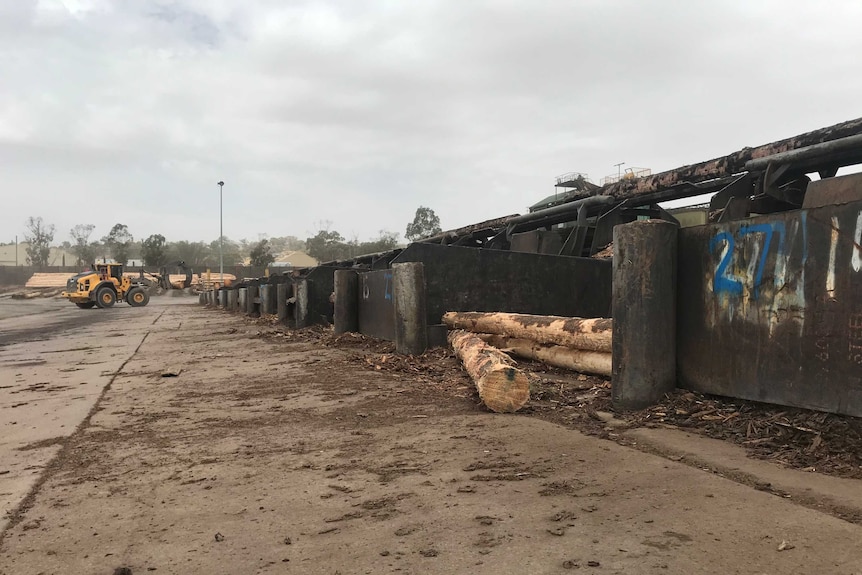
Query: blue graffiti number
[
  {"x": 767, "y": 230},
  {"x": 387, "y": 291},
  {"x": 722, "y": 282}
]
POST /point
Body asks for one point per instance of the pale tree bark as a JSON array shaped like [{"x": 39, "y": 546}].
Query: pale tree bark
[
  {"x": 587, "y": 334},
  {"x": 580, "y": 360},
  {"x": 502, "y": 387}
]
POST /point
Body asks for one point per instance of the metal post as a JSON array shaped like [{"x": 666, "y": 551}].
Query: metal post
[
  {"x": 220, "y": 235},
  {"x": 408, "y": 290},
  {"x": 644, "y": 312},
  {"x": 346, "y": 301}
]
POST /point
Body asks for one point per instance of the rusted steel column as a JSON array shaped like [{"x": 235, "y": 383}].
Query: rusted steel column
[
  {"x": 281, "y": 291},
  {"x": 644, "y": 310},
  {"x": 251, "y": 306},
  {"x": 346, "y": 301},
  {"x": 267, "y": 299},
  {"x": 242, "y": 299},
  {"x": 301, "y": 307},
  {"x": 232, "y": 296},
  {"x": 222, "y": 298},
  {"x": 408, "y": 292}
]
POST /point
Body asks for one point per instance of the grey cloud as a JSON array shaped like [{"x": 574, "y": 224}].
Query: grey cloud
[{"x": 358, "y": 112}]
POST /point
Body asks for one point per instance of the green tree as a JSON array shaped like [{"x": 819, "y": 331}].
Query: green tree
[
  {"x": 119, "y": 243},
  {"x": 384, "y": 242},
  {"x": 154, "y": 250},
  {"x": 193, "y": 253},
  {"x": 38, "y": 237},
  {"x": 83, "y": 248},
  {"x": 233, "y": 253},
  {"x": 425, "y": 223},
  {"x": 260, "y": 254},
  {"x": 286, "y": 243},
  {"x": 327, "y": 246}
]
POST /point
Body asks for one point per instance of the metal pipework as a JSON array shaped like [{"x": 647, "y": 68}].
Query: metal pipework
[
  {"x": 662, "y": 184},
  {"x": 835, "y": 153},
  {"x": 557, "y": 214}
]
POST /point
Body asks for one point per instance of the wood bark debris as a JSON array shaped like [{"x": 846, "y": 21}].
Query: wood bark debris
[
  {"x": 586, "y": 334},
  {"x": 502, "y": 387}
]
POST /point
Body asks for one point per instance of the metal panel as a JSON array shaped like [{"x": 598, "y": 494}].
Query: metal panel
[
  {"x": 376, "y": 309},
  {"x": 471, "y": 279},
  {"x": 832, "y": 191},
  {"x": 537, "y": 242},
  {"x": 770, "y": 308},
  {"x": 321, "y": 285}
]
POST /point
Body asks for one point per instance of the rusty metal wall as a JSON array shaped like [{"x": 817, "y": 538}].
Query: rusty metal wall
[
  {"x": 376, "y": 308},
  {"x": 471, "y": 279},
  {"x": 770, "y": 308}
]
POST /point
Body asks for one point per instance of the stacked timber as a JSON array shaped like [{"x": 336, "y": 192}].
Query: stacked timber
[
  {"x": 568, "y": 342},
  {"x": 48, "y": 280},
  {"x": 209, "y": 281},
  {"x": 179, "y": 280}
]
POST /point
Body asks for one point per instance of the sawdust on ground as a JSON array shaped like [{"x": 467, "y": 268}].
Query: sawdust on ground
[{"x": 796, "y": 438}]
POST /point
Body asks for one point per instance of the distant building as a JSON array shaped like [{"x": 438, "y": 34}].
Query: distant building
[
  {"x": 294, "y": 259},
  {"x": 57, "y": 256}
]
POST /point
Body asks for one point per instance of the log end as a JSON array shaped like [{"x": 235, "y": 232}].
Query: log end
[{"x": 504, "y": 389}]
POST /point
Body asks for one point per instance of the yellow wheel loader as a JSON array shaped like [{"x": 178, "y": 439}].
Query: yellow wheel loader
[{"x": 103, "y": 287}]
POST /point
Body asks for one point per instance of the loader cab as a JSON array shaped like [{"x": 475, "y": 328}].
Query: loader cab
[{"x": 107, "y": 271}]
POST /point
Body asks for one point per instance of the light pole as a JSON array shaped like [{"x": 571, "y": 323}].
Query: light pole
[{"x": 220, "y": 235}]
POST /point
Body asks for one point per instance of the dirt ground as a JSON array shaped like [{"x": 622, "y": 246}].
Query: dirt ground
[{"x": 228, "y": 445}]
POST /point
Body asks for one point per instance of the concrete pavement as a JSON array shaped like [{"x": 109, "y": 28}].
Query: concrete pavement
[{"x": 56, "y": 360}]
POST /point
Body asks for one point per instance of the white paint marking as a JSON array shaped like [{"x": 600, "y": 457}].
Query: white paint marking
[
  {"x": 833, "y": 248},
  {"x": 857, "y": 238}
]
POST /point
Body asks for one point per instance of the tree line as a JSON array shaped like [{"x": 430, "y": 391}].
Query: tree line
[{"x": 155, "y": 250}]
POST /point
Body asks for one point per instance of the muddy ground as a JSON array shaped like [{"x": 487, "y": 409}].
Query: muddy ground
[{"x": 226, "y": 445}]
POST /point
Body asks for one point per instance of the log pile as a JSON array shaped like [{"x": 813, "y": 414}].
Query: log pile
[
  {"x": 36, "y": 293},
  {"x": 585, "y": 361},
  {"x": 568, "y": 342},
  {"x": 48, "y": 280},
  {"x": 209, "y": 281},
  {"x": 480, "y": 340}
]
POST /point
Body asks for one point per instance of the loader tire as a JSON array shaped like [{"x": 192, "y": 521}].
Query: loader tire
[
  {"x": 137, "y": 297},
  {"x": 85, "y": 304},
  {"x": 106, "y": 297}
]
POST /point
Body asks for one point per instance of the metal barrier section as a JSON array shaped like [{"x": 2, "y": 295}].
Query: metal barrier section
[
  {"x": 770, "y": 308},
  {"x": 470, "y": 279},
  {"x": 321, "y": 284},
  {"x": 376, "y": 307}
]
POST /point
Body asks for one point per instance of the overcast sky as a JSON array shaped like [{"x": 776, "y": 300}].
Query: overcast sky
[{"x": 359, "y": 111}]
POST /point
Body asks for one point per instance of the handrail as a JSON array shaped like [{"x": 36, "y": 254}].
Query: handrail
[{"x": 571, "y": 177}]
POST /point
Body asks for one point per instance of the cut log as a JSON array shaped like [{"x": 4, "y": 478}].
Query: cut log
[
  {"x": 577, "y": 333},
  {"x": 502, "y": 387},
  {"x": 581, "y": 360}
]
